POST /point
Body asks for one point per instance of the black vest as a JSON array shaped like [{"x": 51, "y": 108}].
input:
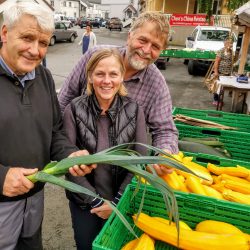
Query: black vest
[{"x": 122, "y": 113}]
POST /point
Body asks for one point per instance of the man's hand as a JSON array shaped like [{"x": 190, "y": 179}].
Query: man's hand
[
  {"x": 162, "y": 170},
  {"x": 16, "y": 183},
  {"x": 82, "y": 169},
  {"x": 104, "y": 211}
]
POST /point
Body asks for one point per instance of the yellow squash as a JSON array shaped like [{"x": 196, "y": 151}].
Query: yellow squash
[
  {"x": 145, "y": 242},
  {"x": 130, "y": 245},
  {"x": 243, "y": 188},
  {"x": 190, "y": 240},
  {"x": 236, "y": 197},
  {"x": 200, "y": 171},
  {"x": 193, "y": 184},
  {"x": 224, "y": 177},
  {"x": 217, "y": 227},
  {"x": 182, "y": 224},
  {"x": 234, "y": 171},
  {"x": 210, "y": 191}
]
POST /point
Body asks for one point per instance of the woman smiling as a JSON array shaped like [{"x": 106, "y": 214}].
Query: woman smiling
[{"x": 103, "y": 118}]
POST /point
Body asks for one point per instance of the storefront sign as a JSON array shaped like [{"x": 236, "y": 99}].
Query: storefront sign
[{"x": 189, "y": 20}]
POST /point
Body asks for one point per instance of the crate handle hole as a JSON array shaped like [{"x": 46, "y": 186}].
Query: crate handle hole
[
  {"x": 210, "y": 132},
  {"x": 205, "y": 160},
  {"x": 214, "y": 115}
]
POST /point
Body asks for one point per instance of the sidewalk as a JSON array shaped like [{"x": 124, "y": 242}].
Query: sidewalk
[{"x": 188, "y": 91}]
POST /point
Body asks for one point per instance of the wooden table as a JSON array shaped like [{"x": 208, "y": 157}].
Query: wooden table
[{"x": 230, "y": 83}]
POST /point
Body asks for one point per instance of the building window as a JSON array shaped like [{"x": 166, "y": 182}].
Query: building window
[
  {"x": 69, "y": 4},
  {"x": 64, "y": 4}
]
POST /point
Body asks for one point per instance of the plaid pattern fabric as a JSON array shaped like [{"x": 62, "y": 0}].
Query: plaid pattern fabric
[{"x": 148, "y": 87}]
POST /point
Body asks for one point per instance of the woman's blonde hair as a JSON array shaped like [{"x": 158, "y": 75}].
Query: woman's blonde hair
[
  {"x": 96, "y": 58},
  {"x": 159, "y": 19}
]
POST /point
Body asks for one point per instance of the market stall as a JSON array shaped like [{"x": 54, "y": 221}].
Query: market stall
[{"x": 242, "y": 20}]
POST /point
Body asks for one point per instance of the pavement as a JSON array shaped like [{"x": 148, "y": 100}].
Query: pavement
[{"x": 188, "y": 91}]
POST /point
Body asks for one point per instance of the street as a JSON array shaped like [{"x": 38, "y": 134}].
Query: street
[
  {"x": 186, "y": 91},
  {"x": 62, "y": 57}
]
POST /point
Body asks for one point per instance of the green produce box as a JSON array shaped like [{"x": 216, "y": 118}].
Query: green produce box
[
  {"x": 203, "y": 159},
  {"x": 167, "y": 53},
  {"x": 212, "y": 55},
  {"x": 192, "y": 209},
  {"x": 240, "y": 121},
  {"x": 236, "y": 143},
  {"x": 201, "y": 54},
  {"x": 172, "y": 53}
]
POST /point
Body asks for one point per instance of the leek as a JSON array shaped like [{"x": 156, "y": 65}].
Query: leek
[{"x": 124, "y": 157}]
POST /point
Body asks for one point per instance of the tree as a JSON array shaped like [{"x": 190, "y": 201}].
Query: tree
[
  {"x": 206, "y": 6},
  {"x": 235, "y": 4}
]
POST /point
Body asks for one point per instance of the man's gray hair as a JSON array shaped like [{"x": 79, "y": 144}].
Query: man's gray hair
[
  {"x": 43, "y": 16},
  {"x": 158, "y": 18}
]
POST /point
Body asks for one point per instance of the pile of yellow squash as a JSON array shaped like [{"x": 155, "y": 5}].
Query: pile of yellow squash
[
  {"x": 208, "y": 234},
  {"x": 227, "y": 183}
]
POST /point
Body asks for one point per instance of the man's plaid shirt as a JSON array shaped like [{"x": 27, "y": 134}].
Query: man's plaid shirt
[{"x": 148, "y": 87}]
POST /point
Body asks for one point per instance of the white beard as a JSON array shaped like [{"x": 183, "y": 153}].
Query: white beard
[{"x": 138, "y": 65}]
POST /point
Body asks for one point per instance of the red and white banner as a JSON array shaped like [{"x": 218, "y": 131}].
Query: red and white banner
[{"x": 189, "y": 20}]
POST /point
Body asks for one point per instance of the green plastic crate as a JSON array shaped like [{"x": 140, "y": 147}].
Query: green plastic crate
[
  {"x": 237, "y": 143},
  {"x": 203, "y": 159},
  {"x": 172, "y": 53},
  {"x": 201, "y": 54},
  {"x": 240, "y": 121},
  {"x": 192, "y": 209},
  {"x": 212, "y": 55}
]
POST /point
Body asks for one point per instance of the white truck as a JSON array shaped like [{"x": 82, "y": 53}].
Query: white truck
[{"x": 206, "y": 38}]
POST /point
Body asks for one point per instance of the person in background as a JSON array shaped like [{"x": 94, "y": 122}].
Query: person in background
[
  {"x": 88, "y": 39},
  {"x": 31, "y": 124},
  {"x": 102, "y": 118},
  {"x": 223, "y": 63},
  {"x": 146, "y": 85}
]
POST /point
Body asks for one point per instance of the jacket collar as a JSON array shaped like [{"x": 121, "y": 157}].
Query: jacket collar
[{"x": 111, "y": 112}]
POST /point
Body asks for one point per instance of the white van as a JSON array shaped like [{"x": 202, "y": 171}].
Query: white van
[
  {"x": 206, "y": 38},
  {"x": 64, "y": 19}
]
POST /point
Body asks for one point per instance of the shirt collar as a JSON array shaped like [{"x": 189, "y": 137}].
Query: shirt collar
[{"x": 28, "y": 76}]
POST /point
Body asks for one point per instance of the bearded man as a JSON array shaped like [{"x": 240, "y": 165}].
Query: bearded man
[{"x": 147, "y": 37}]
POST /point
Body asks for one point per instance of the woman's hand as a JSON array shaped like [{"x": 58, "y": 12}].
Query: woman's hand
[
  {"x": 81, "y": 170},
  {"x": 104, "y": 211}
]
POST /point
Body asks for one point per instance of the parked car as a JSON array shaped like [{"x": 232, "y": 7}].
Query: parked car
[
  {"x": 115, "y": 23},
  {"x": 93, "y": 22},
  {"x": 68, "y": 23},
  {"x": 104, "y": 22},
  {"x": 62, "y": 33},
  {"x": 206, "y": 38},
  {"x": 107, "y": 23},
  {"x": 72, "y": 20},
  {"x": 83, "y": 22}
]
